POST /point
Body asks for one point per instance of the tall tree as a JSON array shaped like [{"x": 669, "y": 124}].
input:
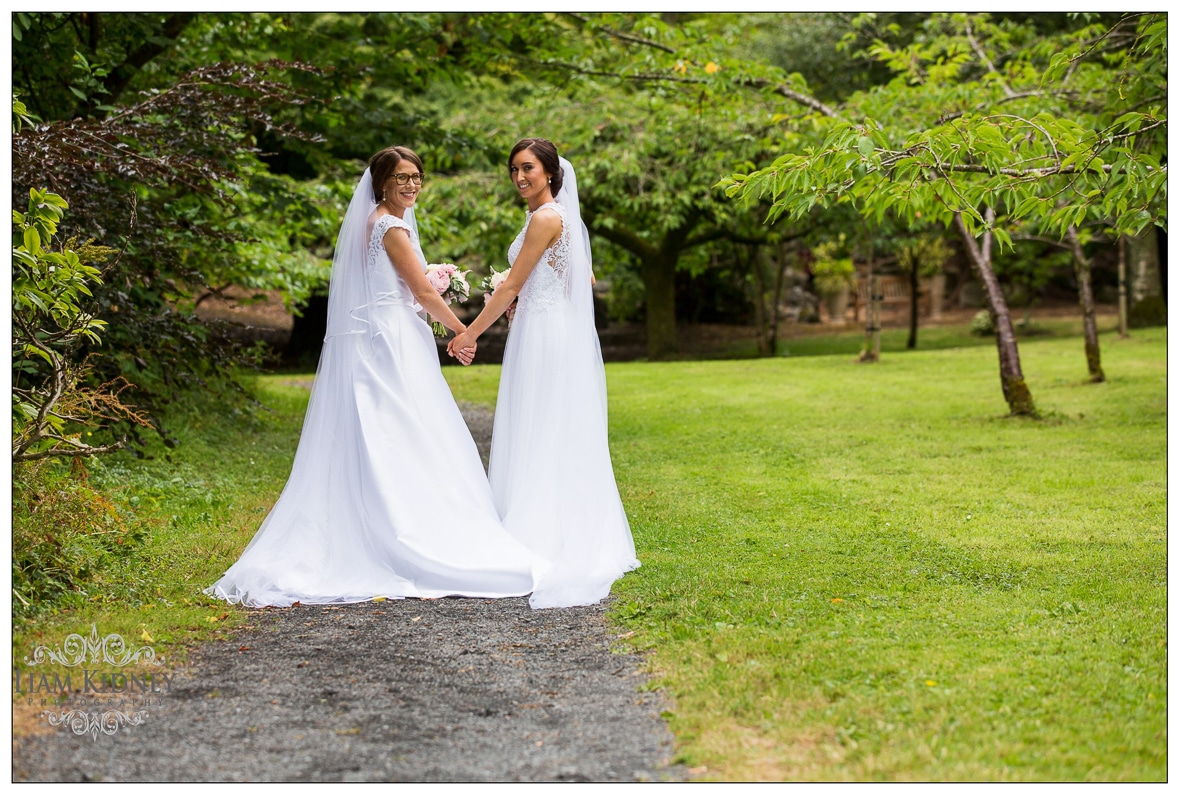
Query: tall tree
[{"x": 961, "y": 136}]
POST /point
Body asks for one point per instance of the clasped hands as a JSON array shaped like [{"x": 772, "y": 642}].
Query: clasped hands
[{"x": 462, "y": 347}]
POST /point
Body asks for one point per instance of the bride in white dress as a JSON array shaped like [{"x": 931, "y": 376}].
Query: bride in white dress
[
  {"x": 550, "y": 466},
  {"x": 387, "y": 495}
]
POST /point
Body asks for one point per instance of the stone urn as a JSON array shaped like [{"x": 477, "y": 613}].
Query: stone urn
[{"x": 837, "y": 305}]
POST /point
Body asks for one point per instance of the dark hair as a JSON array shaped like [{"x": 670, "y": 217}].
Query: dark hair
[
  {"x": 382, "y": 164},
  {"x": 546, "y": 152}
]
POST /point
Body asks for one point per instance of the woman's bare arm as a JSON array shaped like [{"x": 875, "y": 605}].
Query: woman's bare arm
[
  {"x": 544, "y": 229},
  {"x": 409, "y": 267}
]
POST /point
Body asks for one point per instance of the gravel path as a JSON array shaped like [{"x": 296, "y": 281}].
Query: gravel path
[{"x": 401, "y": 690}]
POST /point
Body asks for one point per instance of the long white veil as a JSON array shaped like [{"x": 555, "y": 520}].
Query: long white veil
[
  {"x": 350, "y": 291},
  {"x": 578, "y": 286},
  {"x": 593, "y": 546},
  {"x": 320, "y": 484},
  {"x": 586, "y": 368}
]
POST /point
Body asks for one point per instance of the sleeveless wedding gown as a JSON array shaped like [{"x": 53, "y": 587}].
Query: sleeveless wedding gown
[
  {"x": 387, "y": 495},
  {"x": 550, "y": 466}
]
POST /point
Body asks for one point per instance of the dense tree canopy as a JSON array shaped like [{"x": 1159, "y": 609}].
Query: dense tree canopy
[{"x": 218, "y": 149}]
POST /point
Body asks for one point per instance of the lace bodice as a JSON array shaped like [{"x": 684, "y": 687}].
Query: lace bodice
[
  {"x": 385, "y": 284},
  {"x": 546, "y": 285}
]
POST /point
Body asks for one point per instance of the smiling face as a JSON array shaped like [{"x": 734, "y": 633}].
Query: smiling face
[
  {"x": 530, "y": 178},
  {"x": 400, "y": 198}
]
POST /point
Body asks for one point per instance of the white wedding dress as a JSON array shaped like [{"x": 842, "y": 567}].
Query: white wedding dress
[
  {"x": 550, "y": 466},
  {"x": 387, "y": 495}
]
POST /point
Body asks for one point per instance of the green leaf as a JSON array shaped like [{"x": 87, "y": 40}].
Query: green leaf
[
  {"x": 31, "y": 350},
  {"x": 32, "y": 240},
  {"x": 865, "y": 146}
]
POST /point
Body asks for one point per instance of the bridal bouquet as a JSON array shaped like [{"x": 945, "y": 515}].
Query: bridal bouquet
[
  {"x": 451, "y": 284},
  {"x": 491, "y": 283}
]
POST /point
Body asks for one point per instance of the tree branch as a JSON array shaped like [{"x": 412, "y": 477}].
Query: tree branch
[
  {"x": 810, "y": 102},
  {"x": 641, "y": 77},
  {"x": 76, "y": 448},
  {"x": 120, "y": 76},
  {"x": 986, "y": 61},
  {"x": 618, "y": 34},
  {"x": 781, "y": 90},
  {"x": 624, "y": 238},
  {"x": 1011, "y": 97}
]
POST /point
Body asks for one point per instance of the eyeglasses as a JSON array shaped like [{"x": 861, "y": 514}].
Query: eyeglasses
[{"x": 403, "y": 179}]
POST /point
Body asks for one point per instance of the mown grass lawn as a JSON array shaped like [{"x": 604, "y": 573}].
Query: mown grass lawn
[
  {"x": 849, "y": 572},
  {"x": 868, "y": 572}
]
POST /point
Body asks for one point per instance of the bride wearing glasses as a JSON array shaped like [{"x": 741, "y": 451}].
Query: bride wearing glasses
[
  {"x": 387, "y": 495},
  {"x": 550, "y": 466}
]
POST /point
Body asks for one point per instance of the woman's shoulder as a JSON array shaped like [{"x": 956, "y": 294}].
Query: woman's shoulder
[
  {"x": 556, "y": 208},
  {"x": 384, "y": 222},
  {"x": 548, "y": 217}
]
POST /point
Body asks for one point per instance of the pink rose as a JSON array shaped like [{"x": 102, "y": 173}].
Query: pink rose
[{"x": 439, "y": 280}]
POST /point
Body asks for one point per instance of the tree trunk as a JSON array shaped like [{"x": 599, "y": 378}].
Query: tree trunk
[
  {"x": 780, "y": 263},
  {"x": 1016, "y": 392},
  {"x": 912, "y": 342},
  {"x": 1086, "y": 299},
  {"x": 659, "y": 284},
  {"x": 872, "y": 351},
  {"x": 875, "y": 306},
  {"x": 1144, "y": 261},
  {"x": 758, "y": 279},
  {"x": 937, "y": 289},
  {"x": 1122, "y": 286}
]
